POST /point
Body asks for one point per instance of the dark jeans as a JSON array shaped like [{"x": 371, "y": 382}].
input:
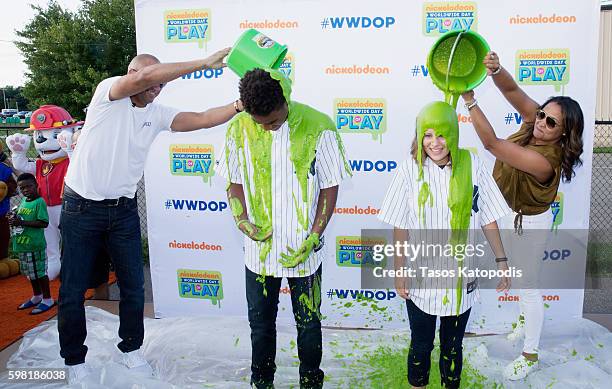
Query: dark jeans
[
  {"x": 423, "y": 329},
  {"x": 87, "y": 227},
  {"x": 263, "y": 307}
]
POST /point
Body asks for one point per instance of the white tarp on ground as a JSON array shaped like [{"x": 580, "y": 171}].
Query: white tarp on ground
[{"x": 215, "y": 352}]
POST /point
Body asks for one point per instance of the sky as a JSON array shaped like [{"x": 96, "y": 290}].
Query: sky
[{"x": 12, "y": 68}]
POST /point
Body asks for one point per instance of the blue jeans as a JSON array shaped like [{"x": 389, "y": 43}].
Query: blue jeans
[
  {"x": 263, "y": 308},
  {"x": 87, "y": 228},
  {"x": 423, "y": 331}
]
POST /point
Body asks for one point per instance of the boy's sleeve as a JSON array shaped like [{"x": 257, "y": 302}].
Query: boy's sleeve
[
  {"x": 228, "y": 162},
  {"x": 41, "y": 211},
  {"x": 330, "y": 163}
]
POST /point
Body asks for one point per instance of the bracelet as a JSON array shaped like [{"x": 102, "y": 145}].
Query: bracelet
[
  {"x": 471, "y": 104},
  {"x": 496, "y": 71},
  {"x": 236, "y": 107},
  {"x": 501, "y": 259}
]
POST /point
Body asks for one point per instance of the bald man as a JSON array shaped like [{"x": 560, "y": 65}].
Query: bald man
[{"x": 99, "y": 208}]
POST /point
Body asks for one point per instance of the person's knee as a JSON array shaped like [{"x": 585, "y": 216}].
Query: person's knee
[
  {"x": 262, "y": 324},
  {"x": 263, "y": 312},
  {"x": 71, "y": 294},
  {"x": 421, "y": 346},
  {"x": 530, "y": 295},
  {"x": 451, "y": 350}
]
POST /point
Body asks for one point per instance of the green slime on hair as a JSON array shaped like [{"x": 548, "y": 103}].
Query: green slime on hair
[
  {"x": 442, "y": 118},
  {"x": 305, "y": 128}
]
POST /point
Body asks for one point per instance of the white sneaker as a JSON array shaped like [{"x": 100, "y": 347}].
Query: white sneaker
[
  {"x": 518, "y": 330},
  {"x": 135, "y": 360},
  {"x": 76, "y": 373},
  {"x": 520, "y": 368}
]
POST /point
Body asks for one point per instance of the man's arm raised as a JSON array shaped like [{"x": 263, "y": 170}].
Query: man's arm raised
[{"x": 140, "y": 80}]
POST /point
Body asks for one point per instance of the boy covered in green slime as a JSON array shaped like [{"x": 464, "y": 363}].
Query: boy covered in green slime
[{"x": 284, "y": 161}]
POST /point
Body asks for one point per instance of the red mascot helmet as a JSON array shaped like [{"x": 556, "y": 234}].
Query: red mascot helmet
[{"x": 51, "y": 117}]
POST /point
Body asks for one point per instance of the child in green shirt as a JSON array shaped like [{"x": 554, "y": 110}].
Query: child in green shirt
[{"x": 28, "y": 223}]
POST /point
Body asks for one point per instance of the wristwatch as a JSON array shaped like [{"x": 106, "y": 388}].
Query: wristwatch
[{"x": 236, "y": 107}]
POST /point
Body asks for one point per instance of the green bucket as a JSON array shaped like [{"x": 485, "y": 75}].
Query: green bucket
[
  {"x": 255, "y": 50},
  {"x": 455, "y": 62}
]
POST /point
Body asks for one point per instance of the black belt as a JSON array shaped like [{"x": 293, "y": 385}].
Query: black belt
[{"x": 106, "y": 202}]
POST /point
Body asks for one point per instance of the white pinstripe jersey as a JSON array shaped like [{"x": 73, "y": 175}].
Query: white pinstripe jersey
[
  {"x": 328, "y": 171},
  {"x": 437, "y": 296}
]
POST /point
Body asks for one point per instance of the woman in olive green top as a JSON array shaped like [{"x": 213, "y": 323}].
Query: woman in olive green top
[{"x": 528, "y": 168}]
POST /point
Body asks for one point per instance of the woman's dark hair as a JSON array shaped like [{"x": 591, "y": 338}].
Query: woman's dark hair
[
  {"x": 571, "y": 141},
  {"x": 260, "y": 93}
]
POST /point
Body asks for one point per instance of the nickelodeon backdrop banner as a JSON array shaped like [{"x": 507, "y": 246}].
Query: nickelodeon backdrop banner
[{"x": 364, "y": 66}]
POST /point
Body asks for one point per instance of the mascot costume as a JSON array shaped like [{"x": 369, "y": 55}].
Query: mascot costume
[{"x": 53, "y": 129}]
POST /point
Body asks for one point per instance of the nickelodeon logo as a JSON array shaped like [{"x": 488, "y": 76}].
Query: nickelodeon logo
[
  {"x": 186, "y": 26},
  {"x": 512, "y": 298},
  {"x": 353, "y": 251},
  {"x": 356, "y": 69},
  {"x": 463, "y": 119},
  {"x": 554, "y": 18},
  {"x": 542, "y": 67},
  {"x": 269, "y": 24},
  {"x": 442, "y": 17},
  {"x": 357, "y": 211},
  {"x": 361, "y": 116},
  {"x": 192, "y": 160},
  {"x": 203, "y": 246},
  {"x": 200, "y": 284}
]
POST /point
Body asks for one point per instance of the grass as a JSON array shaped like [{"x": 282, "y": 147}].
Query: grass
[{"x": 602, "y": 150}]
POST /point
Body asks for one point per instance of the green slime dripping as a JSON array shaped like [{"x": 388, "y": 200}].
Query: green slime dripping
[
  {"x": 456, "y": 58},
  {"x": 305, "y": 128},
  {"x": 442, "y": 118},
  {"x": 236, "y": 207}
]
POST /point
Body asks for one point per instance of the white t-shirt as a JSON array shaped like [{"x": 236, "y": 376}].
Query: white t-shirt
[{"x": 109, "y": 158}]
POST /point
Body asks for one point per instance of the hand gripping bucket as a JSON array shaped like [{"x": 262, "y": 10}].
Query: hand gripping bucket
[
  {"x": 455, "y": 63},
  {"x": 255, "y": 50}
]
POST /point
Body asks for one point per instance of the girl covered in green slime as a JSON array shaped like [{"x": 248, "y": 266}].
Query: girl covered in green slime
[{"x": 441, "y": 188}]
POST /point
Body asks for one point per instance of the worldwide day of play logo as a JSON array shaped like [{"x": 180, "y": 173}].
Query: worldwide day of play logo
[
  {"x": 288, "y": 67},
  {"x": 442, "y": 17},
  {"x": 556, "y": 207},
  {"x": 187, "y": 26},
  {"x": 353, "y": 251},
  {"x": 200, "y": 284},
  {"x": 192, "y": 160},
  {"x": 543, "y": 67},
  {"x": 361, "y": 116}
]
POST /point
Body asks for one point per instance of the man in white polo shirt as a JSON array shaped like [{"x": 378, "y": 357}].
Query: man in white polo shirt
[{"x": 99, "y": 208}]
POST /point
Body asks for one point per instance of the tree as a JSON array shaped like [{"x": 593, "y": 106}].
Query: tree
[
  {"x": 13, "y": 97},
  {"x": 68, "y": 54}
]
